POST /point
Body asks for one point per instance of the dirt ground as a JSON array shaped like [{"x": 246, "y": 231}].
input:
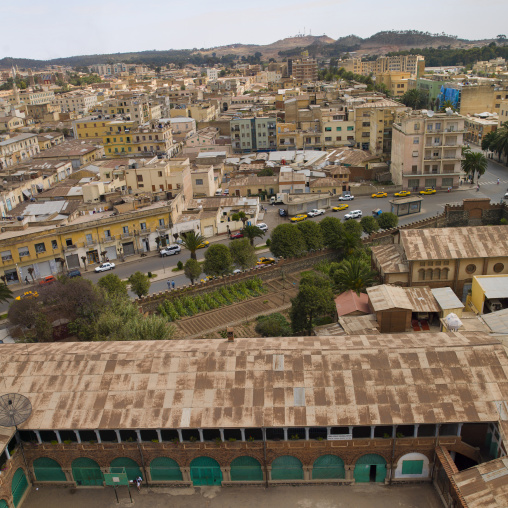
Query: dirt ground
[{"x": 326, "y": 496}]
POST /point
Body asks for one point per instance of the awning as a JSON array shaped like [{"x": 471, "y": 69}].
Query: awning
[{"x": 27, "y": 194}]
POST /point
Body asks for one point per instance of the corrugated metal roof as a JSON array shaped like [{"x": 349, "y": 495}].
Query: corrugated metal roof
[
  {"x": 447, "y": 299},
  {"x": 350, "y": 380},
  {"x": 386, "y": 297},
  {"x": 422, "y": 299},
  {"x": 495, "y": 286},
  {"x": 390, "y": 258},
  {"x": 497, "y": 321}
]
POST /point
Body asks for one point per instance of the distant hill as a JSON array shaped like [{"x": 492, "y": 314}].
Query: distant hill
[{"x": 317, "y": 46}]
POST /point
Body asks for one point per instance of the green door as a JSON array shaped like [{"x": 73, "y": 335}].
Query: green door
[
  {"x": 205, "y": 471},
  {"x": 165, "y": 470},
  {"x": 370, "y": 468},
  {"x": 87, "y": 473},
  {"x": 412, "y": 466},
  {"x": 328, "y": 467},
  {"x": 48, "y": 470},
  {"x": 131, "y": 467},
  {"x": 287, "y": 468},
  {"x": 246, "y": 469},
  {"x": 3, "y": 503},
  {"x": 19, "y": 486}
]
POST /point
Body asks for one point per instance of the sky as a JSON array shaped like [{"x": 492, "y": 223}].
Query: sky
[{"x": 61, "y": 28}]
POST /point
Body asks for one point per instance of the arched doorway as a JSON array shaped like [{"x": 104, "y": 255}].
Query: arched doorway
[
  {"x": 164, "y": 469},
  {"x": 370, "y": 468},
  {"x": 131, "y": 467},
  {"x": 48, "y": 470},
  {"x": 205, "y": 471},
  {"x": 287, "y": 468},
  {"x": 412, "y": 465},
  {"x": 328, "y": 467},
  {"x": 18, "y": 486},
  {"x": 86, "y": 472},
  {"x": 246, "y": 469}
]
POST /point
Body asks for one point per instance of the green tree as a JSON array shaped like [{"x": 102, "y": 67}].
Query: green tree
[
  {"x": 273, "y": 325},
  {"x": 191, "y": 241},
  {"x": 287, "y": 241},
  {"x": 265, "y": 172},
  {"x": 240, "y": 216},
  {"x": 354, "y": 274},
  {"x": 218, "y": 260},
  {"x": 447, "y": 104},
  {"x": 488, "y": 141},
  {"x": 243, "y": 253},
  {"x": 369, "y": 224},
  {"x": 332, "y": 229},
  {"x": 192, "y": 270},
  {"x": 113, "y": 285},
  {"x": 415, "y": 98},
  {"x": 312, "y": 235},
  {"x": 140, "y": 283},
  {"x": 349, "y": 242},
  {"x": 5, "y": 292},
  {"x": 387, "y": 220},
  {"x": 500, "y": 141},
  {"x": 252, "y": 232},
  {"x": 24, "y": 312},
  {"x": 351, "y": 226},
  {"x": 474, "y": 162},
  {"x": 314, "y": 299},
  {"x": 43, "y": 329}
]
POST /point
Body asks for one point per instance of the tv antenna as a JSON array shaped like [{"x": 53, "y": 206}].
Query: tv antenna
[{"x": 14, "y": 410}]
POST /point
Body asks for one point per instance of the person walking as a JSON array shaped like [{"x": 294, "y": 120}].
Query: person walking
[
  {"x": 139, "y": 480},
  {"x": 173, "y": 284},
  {"x": 498, "y": 181},
  {"x": 26, "y": 280},
  {"x": 169, "y": 284}
]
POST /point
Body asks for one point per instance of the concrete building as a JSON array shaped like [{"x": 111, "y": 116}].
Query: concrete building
[
  {"x": 109, "y": 69},
  {"x": 203, "y": 182},
  {"x": 37, "y": 97},
  {"x": 79, "y": 152},
  {"x": 80, "y": 101},
  {"x": 18, "y": 149},
  {"x": 212, "y": 74},
  {"x": 253, "y": 134},
  {"x": 413, "y": 64},
  {"x": 305, "y": 71},
  {"x": 477, "y": 128},
  {"x": 427, "y": 150}
]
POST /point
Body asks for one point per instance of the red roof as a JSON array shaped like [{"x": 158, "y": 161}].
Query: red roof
[{"x": 349, "y": 302}]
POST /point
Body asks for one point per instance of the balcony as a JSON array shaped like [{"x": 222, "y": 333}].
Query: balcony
[
  {"x": 72, "y": 246},
  {"x": 90, "y": 242},
  {"x": 127, "y": 235},
  {"x": 145, "y": 231},
  {"x": 108, "y": 239}
]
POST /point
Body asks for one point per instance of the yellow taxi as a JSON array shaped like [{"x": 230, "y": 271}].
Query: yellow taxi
[
  {"x": 428, "y": 190},
  {"x": 207, "y": 278},
  {"x": 204, "y": 244},
  {"x": 28, "y": 294},
  {"x": 339, "y": 208},
  {"x": 265, "y": 261},
  {"x": 402, "y": 194},
  {"x": 379, "y": 195},
  {"x": 298, "y": 218}
]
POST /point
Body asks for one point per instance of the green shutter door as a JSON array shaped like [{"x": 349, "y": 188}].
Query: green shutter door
[
  {"x": 19, "y": 486},
  {"x": 246, "y": 469},
  {"x": 328, "y": 467},
  {"x": 412, "y": 466},
  {"x": 362, "y": 473},
  {"x": 131, "y": 467},
  {"x": 86, "y": 472},
  {"x": 164, "y": 469},
  {"x": 3, "y": 503},
  {"x": 48, "y": 470},
  {"x": 380, "y": 472},
  {"x": 205, "y": 471},
  {"x": 363, "y": 468},
  {"x": 287, "y": 468}
]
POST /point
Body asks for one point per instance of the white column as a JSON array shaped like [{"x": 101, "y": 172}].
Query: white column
[
  {"x": 8, "y": 455},
  {"x": 201, "y": 435},
  {"x": 222, "y": 435},
  {"x": 306, "y": 433},
  {"x": 263, "y": 431},
  {"x": 138, "y": 433},
  {"x": 459, "y": 430},
  {"x": 97, "y": 433},
  {"x": 180, "y": 437},
  {"x": 38, "y": 436},
  {"x": 242, "y": 432},
  {"x": 118, "y": 437},
  {"x": 159, "y": 436},
  {"x": 350, "y": 427},
  {"x": 78, "y": 437},
  {"x": 372, "y": 429},
  {"x": 57, "y": 434},
  {"x": 285, "y": 429},
  {"x": 415, "y": 433},
  {"x": 328, "y": 432}
]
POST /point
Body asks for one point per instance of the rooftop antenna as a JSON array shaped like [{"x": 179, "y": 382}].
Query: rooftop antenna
[{"x": 14, "y": 410}]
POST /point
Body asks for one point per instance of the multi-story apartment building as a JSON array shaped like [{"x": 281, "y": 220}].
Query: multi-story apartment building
[
  {"x": 37, "y": 97},
  {"x": 109, "y": 69},
  {"x": 414, "y": 64},
  {"x": 253, "y": 134},
  {"x": 427, "y": 150},
  {"x": 137, "y": 109},
  {"x": 305, "y": 71},
  {"x": 395, "y": 81},
  {"x": 80, "y": 101},
  {"x": 503, "y": 112},
  {"x": 477, "y": 128},
  {"x": 212, "y": 74},
  {"x": 18, "y": 149}
]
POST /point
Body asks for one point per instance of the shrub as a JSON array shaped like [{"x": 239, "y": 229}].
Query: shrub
[{"x": 179, "y": 265}]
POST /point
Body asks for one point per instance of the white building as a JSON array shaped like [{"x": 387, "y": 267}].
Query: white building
[
  {"x": 80, "y": 101},
  {"x": 212, "y": 74}
]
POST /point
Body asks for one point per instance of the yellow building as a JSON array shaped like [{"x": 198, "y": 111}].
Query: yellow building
[
  {"x": 94, "y": 127},
  {"x": 489, "y": 293},
  {"x": 395, "y": 82},
  {"x": 11, "y": 123}
]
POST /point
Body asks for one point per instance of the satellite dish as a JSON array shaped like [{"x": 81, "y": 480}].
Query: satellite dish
[
  {"x": 430, "y": 113},
  {"x": 14, "y": 409}
]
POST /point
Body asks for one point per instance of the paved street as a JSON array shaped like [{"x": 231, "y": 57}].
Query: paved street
[
  {"x": 326, "y": 496},
  {"x": 431, "y": 206}
]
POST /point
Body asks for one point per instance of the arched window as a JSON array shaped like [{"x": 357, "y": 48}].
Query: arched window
[
  {"x": 444, "y": 273},
  {"x": 48, "y": 470},
  {"x": 421, "y": 274},
  {"x": 437, "y": 274},
  {"x": 246, "y": 469},
  {"x": 287, "y": 468},
  {"x": 86, "y": 472},
  {"x": 165, "y": 469},
  {"x": 328, "y": 467},
  {"x": 428, "y": 274}
]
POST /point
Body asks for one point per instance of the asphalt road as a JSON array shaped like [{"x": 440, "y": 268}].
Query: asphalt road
[{"x": 431, "y": 205}]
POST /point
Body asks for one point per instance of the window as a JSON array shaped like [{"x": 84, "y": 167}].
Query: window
[
  {"x": 139, "y": 178},
  {"x": 23, "y": 252},
  {"x": 366, "y": 124},
  {"x": 199, "y": 181},
  {"x": 125, "y": 229},
  {"x": 471, "y": 268},
  {"x": 89, "y": 238},
  {"x": 338, "y": 138},
  {"x": 447, "y": 182},
  {"x": 328, "y": 139},
  {"x": 350, "y": 138},
  {"x": 338, "y": 129},
  {"x": 328, "y": 129},
  {"x": 417, "y": 126},
  {"x": 416, "y": 141},
  {"x": 40, "y": 247},
  {"x": 6, "y": 255},
  {"x": 161, "y": 222},
  {"x": 54, "y": 244},
  {"x": 142, "y": 225},
  {"x": 107, "y": 233},
  {"x": 68, "y": 242},
  {"x": 498, "y": 267},
  {"x": 414, "y": 169},
  {"x": 415, "y": 153},
  {"x": 350, "y": 128}
]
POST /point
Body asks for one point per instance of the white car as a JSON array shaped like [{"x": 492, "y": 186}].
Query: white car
[
  {"x": 315, "y": 212},
  {"x": 170, "y": 250},
  {"x": 354, "y": 214},
  {"x": 103, "y": 267},
  {"x": 346, "y": 197},
  {"x": 262, "y": 227}
]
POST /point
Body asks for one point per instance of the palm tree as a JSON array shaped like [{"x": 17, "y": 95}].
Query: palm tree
[
  {"x": 448, "y": 104},
  {"x": 5, "y": 293},
  {"x": 500, "y": 141},
  {"x": 474, "y": 162},
  {"x": 252, "y": 232},
  {"x": 349, "y": 241},
  {"x": 488, "y": 141},
  {"x": 191, "y": 241},
  {"x": 354, "y": 274}
]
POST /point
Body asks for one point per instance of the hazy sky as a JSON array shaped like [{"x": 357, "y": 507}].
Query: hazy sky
[{"x": 59, "y": 28}]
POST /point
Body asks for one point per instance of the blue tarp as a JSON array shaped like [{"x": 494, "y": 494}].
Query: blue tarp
[{"x": 449, "y": 94}]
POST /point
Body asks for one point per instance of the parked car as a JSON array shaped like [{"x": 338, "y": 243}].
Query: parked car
[
  {"x": 28, "y": 295},
  {"x": 204, "y": 244},
  {"x": 104, "y": 267},
  {"x": 379, "y": 195},
  {"x": 377, "y": 212},
  {"x": 402, "y": 194},
  {"x": 47, "y": 280},
  {"x": 340, "y": 208},
  {"x": 506, "y": 196},
  {"x": 170, "y": 250},
  {"x": 235, "y": 235},
  {"x": 237, "y": 270},
  {"x": 262, "y": 226},
  {"x": 282, "y": 212},
  {"x": 298, "y": 218},
  {"x": 346, "y": 197},
  {"x": 315, "y": 212},
  {"x": 74, "y": 273},
  {"x": 428, "y": 190},
  {"x": 265, "y": 261},
  {"x": 355, "y": 214}
]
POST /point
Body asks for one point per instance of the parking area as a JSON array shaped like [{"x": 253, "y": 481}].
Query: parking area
[{"x": 325, "y": 496}]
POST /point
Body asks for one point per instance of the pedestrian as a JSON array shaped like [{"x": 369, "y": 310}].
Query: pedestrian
[
  {"x": 138, "y": 483},
  {"x": 173, "y": 284},
  {"x": 26, "y": 280},
  {"x": 498, "y": 181},
  {"x": 169, "y": 284}
]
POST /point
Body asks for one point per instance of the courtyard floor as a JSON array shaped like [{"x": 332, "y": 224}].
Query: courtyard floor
[{"x": 325, "y": 496}]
